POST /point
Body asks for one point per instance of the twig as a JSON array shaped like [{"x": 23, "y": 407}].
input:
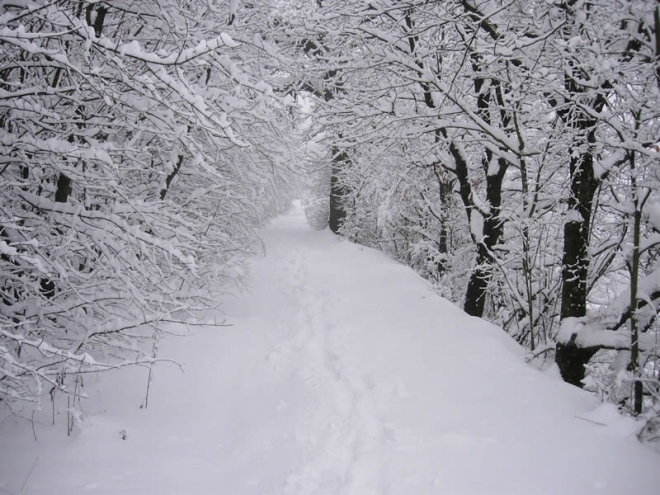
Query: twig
[
  {"x": 590, "y": 421},
  {"x": 34, "y": 433},
  {"x": 543, "y": 350},
  {"x": 29, "y": 474}
]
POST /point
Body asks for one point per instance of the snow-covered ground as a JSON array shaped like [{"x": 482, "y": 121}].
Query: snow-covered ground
[{"x": 342, "y": 373}]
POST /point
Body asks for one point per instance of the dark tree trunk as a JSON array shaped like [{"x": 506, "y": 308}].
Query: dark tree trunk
[
  {"x": 63, "y": 189},
  {"x": 333, "y": 85},
  {"x": 571, "y": 359},
  {"x": 476, "y": 290},
  {"x": 99, "y": 18},
  {"x": 337, "y": 191},
  {"x": 446, "y": 189},
  {"x": 170, "y": 177},
  {"x": 475, "y": 295},
  {"x": 575, "y": 263}
]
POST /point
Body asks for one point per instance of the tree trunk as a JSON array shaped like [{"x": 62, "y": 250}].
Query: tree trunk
[
  {"x": 446, "y": 189},
  {"x": 337, "y": 191},
  {"x": 170, "y": 177},
  {"x": 475, "y": 295},
  {"x": 575, "y": 263},
  {"x": 638, "y": 388},
  {"x": 571, "y": 360},
  {"x": 63, "y": 189}
]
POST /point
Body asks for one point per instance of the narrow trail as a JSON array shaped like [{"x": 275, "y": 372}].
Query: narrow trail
[
  {"x": 340, "y": 433},
  {"x": 342, "y": 374},
  {"x": 408, "y": 395},
  {"x": 343, "y": 421}
]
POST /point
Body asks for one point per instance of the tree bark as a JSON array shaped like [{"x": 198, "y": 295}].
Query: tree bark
[
  {"x": 337, "y": 191},
  {"x": 575, "y": 262},
  {"x": 570, "y": 359},
  {"x": 170, "y": 177},
  {"x": 63, "y": 189},
  {"x": 332, "y": 86},
  {"x": 445, "y": 190},
  {"x": 475, "y": 295}
]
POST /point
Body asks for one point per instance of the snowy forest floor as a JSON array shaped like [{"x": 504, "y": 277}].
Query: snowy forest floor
[{"x": 342, "y": 373}]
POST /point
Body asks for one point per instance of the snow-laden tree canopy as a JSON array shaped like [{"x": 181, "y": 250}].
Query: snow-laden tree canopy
[
  {"x": 508, "y": 152},
  {"x": 141, "y": 145}
]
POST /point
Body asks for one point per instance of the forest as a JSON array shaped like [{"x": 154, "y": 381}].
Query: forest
[{"x": 506, "y": 150}]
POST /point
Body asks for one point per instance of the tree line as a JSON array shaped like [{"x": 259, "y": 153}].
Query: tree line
[
  {"x": 141, "y": 146},
  {"x": 507, "y": 150}
]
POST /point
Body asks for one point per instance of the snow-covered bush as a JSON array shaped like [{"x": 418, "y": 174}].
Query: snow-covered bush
[{"x": 138, "y": 154}]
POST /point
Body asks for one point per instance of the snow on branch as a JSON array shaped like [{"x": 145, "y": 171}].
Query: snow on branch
[
  {"x": 587, "y": 332},
  {"x": 135, "y": 51}
]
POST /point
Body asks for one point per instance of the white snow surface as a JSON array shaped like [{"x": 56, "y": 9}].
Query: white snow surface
[{"x": 343, "y": 373}]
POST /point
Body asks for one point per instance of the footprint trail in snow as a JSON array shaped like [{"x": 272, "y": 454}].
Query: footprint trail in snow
[{"x": 408, "y": 395}]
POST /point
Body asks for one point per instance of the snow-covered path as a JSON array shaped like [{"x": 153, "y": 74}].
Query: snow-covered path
[{"x": 342, "y": 374}]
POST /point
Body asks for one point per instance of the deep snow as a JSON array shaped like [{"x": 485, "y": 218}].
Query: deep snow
[{"x": 343, "y": 373}]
